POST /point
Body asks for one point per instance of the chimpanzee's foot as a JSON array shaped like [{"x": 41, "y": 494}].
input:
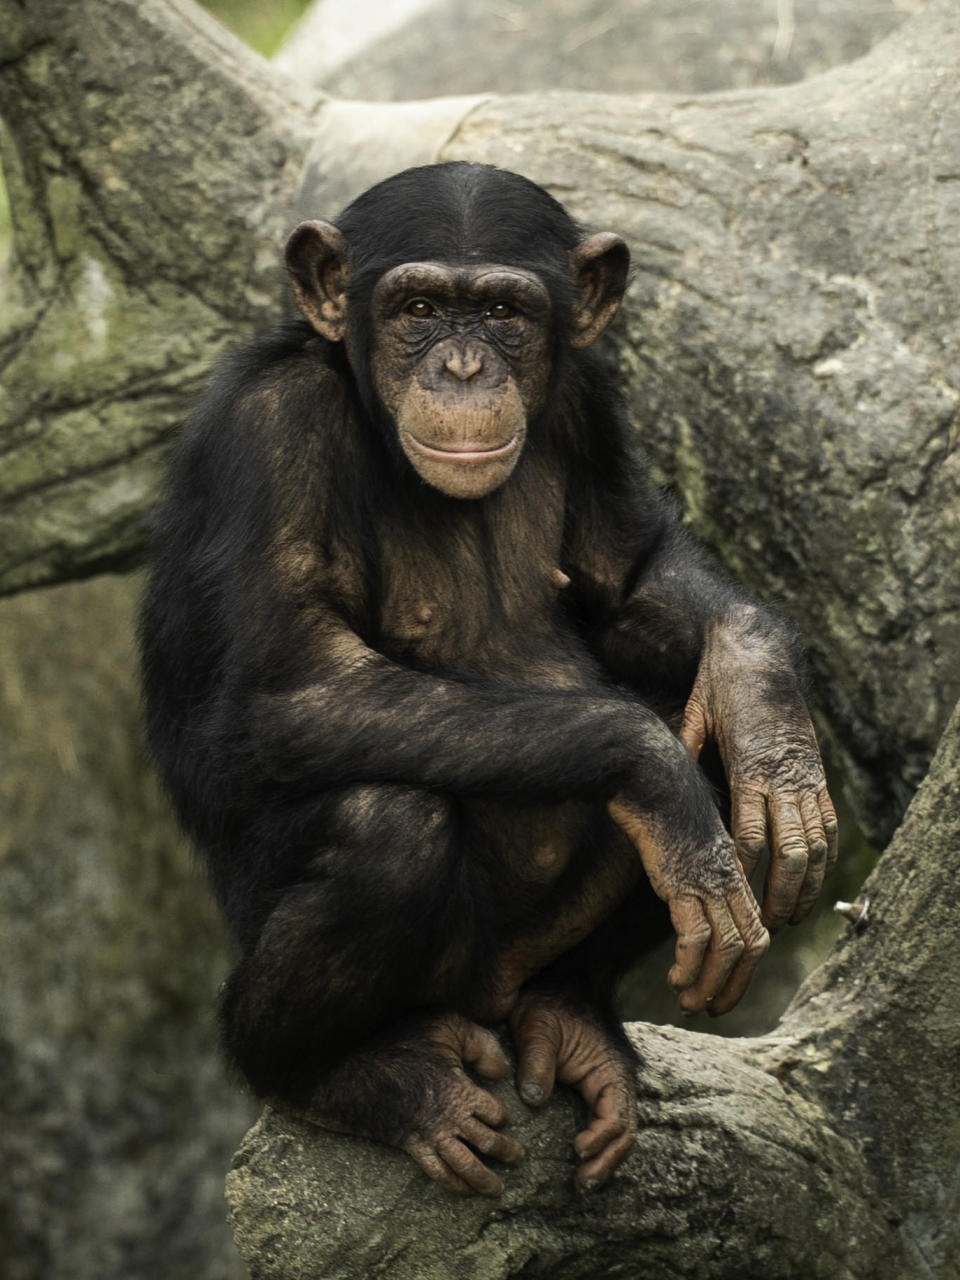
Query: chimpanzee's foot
[
  {"x": 557, "y": 1041},
  {"x": 412, "y": 1092},
  {"x": 458, "y": 1116}
]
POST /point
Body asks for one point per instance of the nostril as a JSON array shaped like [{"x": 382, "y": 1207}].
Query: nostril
[{"x": 463, "y": 364}]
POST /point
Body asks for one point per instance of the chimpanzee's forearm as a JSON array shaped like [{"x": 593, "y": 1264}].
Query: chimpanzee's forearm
[
  {"x": 676, "y": 600},
  {"x": 380, "y": 722}
]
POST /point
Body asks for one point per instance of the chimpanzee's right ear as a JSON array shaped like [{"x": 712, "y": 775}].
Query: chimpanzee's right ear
[{"x": 318, "y": 266}]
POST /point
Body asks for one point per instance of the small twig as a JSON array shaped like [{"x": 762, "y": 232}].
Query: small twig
[{"x": 855, "y": 912}]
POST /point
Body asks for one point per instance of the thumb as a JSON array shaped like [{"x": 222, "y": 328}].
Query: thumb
[{"x": 693, "y": 730}]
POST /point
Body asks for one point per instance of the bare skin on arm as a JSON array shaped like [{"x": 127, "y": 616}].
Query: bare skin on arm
[{"x": 747, "y": 700}]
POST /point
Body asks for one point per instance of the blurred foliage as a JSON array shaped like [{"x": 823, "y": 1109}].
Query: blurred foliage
[{"x": 262, "y": 26}]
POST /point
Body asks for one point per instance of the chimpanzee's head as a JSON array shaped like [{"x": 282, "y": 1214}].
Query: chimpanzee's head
[{"x": 459, "y": 290}]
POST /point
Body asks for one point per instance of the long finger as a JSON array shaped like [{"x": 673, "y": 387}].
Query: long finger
[
  {"x": 726, "y": 948},
  {"x": 830, "y": 827},
  {"x": 610, "y": 1137},
  {"x": 500, "y": 1146},
  {"x": 816, "y": 856},
  {"x": 693, "y": 937},
  {"x": 614, "y": 1114},
  {"x": 756, "y": 940},
  {"x": 465, "y": 1164},
  {"x": 749, "y": 827},
  {"x": 788, "y": 862},
  {"x": 593, "y": 1173},
  {"x": 488, "y": 1108},
  {"x": 431, "y": 1164}
]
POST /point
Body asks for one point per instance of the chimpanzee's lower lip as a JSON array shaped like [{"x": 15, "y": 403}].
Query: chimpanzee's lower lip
[{"x": 467, "y": 453}]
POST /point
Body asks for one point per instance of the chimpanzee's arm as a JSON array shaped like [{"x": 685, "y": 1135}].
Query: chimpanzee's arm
[
  {"x": 668, "y": 624},
  {"x": 363, "y": 719}
]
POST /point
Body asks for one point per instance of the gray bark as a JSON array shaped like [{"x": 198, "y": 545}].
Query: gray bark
[{"x": 374, "y": 49}]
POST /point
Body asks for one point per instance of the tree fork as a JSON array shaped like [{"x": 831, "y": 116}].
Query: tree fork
[{"x": 790, "y": 340}]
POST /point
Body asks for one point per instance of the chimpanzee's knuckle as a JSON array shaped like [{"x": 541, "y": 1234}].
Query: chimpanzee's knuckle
[
  {"x": 694, "y": 939},
  {"x": 756, "y": 942},
  {"x": 752, "y": 838},
  {"x": 792, "y": 860},
  {"x": 817, "y": 850},
  {"x": 730, "y": 946}
]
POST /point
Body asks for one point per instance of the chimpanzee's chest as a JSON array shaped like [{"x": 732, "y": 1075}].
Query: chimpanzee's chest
[{"x": 482, "y": 595}]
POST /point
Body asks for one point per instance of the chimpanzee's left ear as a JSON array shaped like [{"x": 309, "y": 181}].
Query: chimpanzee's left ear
[
  {"x": 599, "y": 266},
  {"x": 318, "y": 266}
]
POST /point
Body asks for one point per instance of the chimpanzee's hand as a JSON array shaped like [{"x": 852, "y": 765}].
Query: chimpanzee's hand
[
  {"x": 747, "y": 700},
  {"x": 720, "y": 937}
]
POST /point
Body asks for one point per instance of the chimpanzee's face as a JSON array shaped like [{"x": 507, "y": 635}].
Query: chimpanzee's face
[
  {"x": 460, "y": 359},
  {"x": 456, "y": 353}
]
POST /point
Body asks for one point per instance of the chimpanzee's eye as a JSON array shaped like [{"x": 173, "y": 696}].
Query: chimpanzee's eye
[
  {"x": 499, "y": 311},
  {"x": 421, "y": 309}
]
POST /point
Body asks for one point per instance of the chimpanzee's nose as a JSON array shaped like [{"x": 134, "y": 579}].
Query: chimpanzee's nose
[{"x": 463, "y": 362}]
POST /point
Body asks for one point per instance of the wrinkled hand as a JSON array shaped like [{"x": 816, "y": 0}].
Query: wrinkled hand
[
  {"x": 747, "y": 700},
  {"x": 720, "y": 936}
]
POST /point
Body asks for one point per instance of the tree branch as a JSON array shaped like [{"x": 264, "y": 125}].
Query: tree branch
[{"x": 150, "y": 160}]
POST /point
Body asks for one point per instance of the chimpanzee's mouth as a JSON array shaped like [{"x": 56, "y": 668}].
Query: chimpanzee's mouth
[{"x": 464, "y": 452}]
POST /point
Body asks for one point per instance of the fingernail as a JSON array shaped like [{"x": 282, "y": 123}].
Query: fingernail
[
  {"x": 591, "y": 1184},
  {"x": 531, "y": 1092}
]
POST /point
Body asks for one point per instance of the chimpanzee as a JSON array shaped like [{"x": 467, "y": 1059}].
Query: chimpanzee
[{"x": 428, "y": 665}]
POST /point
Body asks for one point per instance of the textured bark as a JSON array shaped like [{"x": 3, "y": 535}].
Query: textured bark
[
  {"x": 374, "y": 48},
  {"x": 150, "y": 160},
  {"x": 790, "y": 343},
  {"x": 827, "y": 1150}
]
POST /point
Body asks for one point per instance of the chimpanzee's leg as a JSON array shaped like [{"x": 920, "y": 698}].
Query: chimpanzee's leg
[{"x": 325, "y": 1013}]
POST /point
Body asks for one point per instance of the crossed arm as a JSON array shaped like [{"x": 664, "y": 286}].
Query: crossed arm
[{"x": 675, "y": 629}]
